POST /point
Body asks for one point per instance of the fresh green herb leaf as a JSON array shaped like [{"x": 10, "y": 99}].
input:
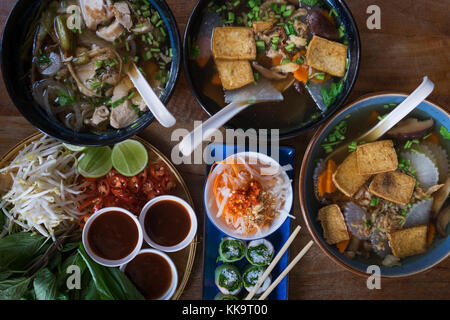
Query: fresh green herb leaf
[
  {"x": 374, "y": 201},
  {"x": 445, "y": 133},
  {"x": 330, "y": 94}
]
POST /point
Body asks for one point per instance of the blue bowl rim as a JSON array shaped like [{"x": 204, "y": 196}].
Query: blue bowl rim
[
  {"x": 302, "y": 196},
  {"x": 294, "y": 133},
  {"x": 91, "y": 140}
]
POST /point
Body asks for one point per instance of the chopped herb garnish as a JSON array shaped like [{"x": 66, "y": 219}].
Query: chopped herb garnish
[
  {"x": 329, "y": 94},
  {"x": 118, "y": 102},
  {"x": 289, "y": 47},
  {"x": 44, "y": 59},
  {"x": 444, "y": 132},
  {"x": 374, "y": 201},
  {"x": 64, "y": 99},
  {"x": 260, "y": 45},
  {"x": 352, "y": 147}
]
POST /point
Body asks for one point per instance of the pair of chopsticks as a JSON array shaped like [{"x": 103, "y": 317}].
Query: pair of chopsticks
[{"x": 273, "y": 264}]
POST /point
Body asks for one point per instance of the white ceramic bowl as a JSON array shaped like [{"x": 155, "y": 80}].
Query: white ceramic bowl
[
  {"x": 212, "y": 209},
  {"x": 173, "y": 286},
  {"x": 192, "y": 231},
  {"x": 107, "y": 262}
]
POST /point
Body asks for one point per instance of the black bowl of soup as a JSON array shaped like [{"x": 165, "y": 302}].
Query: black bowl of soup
[
  {"x": 285, "y": 42},
  {"x": 65, "y": 67}
]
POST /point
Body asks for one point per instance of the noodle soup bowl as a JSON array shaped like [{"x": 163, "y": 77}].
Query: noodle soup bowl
[
  {"x": 15, "y": 60},
  {"x": 265, "y": 167}
]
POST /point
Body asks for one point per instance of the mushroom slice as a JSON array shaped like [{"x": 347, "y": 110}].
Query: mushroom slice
[
  {"x": 286, "y": 68},
  {"x": 267, "y": 73},
  {"x": 440, "y": 196},
  {"x": 411, "y": 128},
  {"x": 442, "y": 221}
]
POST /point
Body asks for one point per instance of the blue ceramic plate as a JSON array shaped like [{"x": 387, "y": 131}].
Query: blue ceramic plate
[
  {"x": 212, "y": 236},
  {"x": 440, "y": 248}
]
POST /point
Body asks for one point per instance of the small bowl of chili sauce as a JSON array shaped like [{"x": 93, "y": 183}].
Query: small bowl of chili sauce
[
  {"x": 153, "y": 273},
  {"x": 169, "y": 223},
  {"x": 112, "y": 236}
]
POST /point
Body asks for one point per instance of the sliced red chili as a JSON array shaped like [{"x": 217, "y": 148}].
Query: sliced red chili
[
  {"x": 124, "y": 195},
  {"x": 158, "y": 170},
  {"x": 134, "y": 184},
  {"x": 168, "y": 184},
  {"x": 93, "y": 204},
  {"x": 103, "y": 188},
  {"x": 116, "y": 180},
  {"x": 90, "y": 186},
  {"x": 143, "y": 176},
  {"x": 83, "y": 219},
  {"x": 110, "y": 201}
]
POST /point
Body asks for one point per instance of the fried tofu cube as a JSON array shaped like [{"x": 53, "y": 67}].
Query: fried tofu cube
[
  {"x": 394, "y": 186},
  {"x": 262, "y": 25},
  {"x": 333, "y": 224},
  {"x": 376, "y": 157},
  {"x": 234, "y": 43},
  {"x": 346, "y": 178},
  {"x": 327, "y": 56},
  {"x": 234, "y": 73},
  {"x": 408, "y": 242}
]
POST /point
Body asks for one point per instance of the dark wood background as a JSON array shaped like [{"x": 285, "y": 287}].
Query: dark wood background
[{"x": 414, "y": 41}]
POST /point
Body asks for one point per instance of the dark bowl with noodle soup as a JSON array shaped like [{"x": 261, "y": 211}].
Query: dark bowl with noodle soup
[{"x": 72, "y": 83}]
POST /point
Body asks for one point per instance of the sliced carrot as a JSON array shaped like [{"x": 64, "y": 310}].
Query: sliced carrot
[
  {"x": 301, "y": 74},
  {"x": 431, "y": 233},
  {"x": 433, "y": 138},
  {"x": 321, "y": 183},
  {"x": 325, "y": 182},
  {"x": 327, "y": 15},
  {"x": 215, "y": 80},
  {"x": 342, "y": 245},
  {"x": 373, "y": 117},
  {"x": 276, "y": 61},
  {"x": 202, "y": 61},
  {"x": 331, "y": 168}
]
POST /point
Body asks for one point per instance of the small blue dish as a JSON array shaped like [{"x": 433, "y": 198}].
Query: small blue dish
[
  {"x": 15, "y": 75},
  {"x": 439, "y": 250},
  {"x": 213, "y": 236}
]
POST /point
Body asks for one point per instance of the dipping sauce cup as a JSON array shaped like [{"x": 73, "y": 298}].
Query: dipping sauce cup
[
  {"x": 153, "y": 273},
  {"x": 169, "y": 223},
  {"x": 112, "y": 236}
]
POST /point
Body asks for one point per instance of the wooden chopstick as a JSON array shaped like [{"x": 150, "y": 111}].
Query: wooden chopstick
[
  {"x": 286, "y": 271},
  {"x": 273, "y": 263}
]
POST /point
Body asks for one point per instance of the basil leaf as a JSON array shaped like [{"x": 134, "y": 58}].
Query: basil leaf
[
  {"x": 18, "y": 250},
  {"x": 14, "y": 289},
  {"x": 129, "y": 290},
  {"x": 45, "y": 285}
]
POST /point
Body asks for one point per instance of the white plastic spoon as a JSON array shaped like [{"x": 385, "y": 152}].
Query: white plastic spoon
[
  {"x": 239, "y": 100},
  {"x": 394, "y": 117},
  {"x": 157, "y": 108}
]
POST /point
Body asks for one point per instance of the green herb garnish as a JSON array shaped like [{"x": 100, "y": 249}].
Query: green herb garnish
[
  {"x": 444, "y": 132},
  {"x": 64, "y": 99}
]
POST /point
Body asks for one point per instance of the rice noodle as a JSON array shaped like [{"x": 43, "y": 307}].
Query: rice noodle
[{"x": 44, "y": 191}]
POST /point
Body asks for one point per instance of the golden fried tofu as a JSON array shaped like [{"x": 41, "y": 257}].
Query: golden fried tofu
[
  {"x": 234, "y": 43},
  {"x": 376, "y": 157},
  {"x": 327, "y": 56},
  {"x": 394, "y": 186},
  {"x": 333, "y": 224},
  {"x": 234, "y": 73},
  {"x": 346, "y": 178},
  {"x": 408, "y": 242},
  {"x": 262, "y": 25}
]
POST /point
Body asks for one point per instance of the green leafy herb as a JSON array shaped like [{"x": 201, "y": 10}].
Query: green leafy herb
[
  {"x": 352, "y": 147},
  {"x": 310, "y": 2},
  {"x": 445, "y": 133},
  {"x": 374, "y": 201},
  {"x": 44, "y": 60},
  {"x": 64, "y": 98},
  {"x": 336, "y": 136},
  {"x": 329, "y": 94}
]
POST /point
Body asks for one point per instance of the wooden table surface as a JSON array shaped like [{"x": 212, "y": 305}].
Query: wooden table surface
[{"x": 414, "y": 41}]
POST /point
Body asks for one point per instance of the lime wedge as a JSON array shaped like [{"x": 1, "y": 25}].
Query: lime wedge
[
  {"x": 96, "y": 162},
  {"x": 74, "y": 148},
  {"x": 129, "y": 157}
]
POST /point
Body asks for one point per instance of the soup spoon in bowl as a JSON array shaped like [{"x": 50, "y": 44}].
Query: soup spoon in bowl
[
  {"x": 394, "y": 117},
  {"x": 157, "y": 108},
  {"x": 238, "y": 100}
]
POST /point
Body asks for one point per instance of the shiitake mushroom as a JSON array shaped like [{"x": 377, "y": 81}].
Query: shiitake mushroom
[
  {"x": 411, "y": 128},
  {"x": 322, "y": 26}
]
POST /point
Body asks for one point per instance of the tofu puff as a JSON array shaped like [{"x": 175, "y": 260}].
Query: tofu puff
[{"x": 384, "y": 195}]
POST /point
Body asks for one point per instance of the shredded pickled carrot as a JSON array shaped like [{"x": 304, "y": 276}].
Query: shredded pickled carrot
[
  {"x": 325, "y": 182},
  {"x": 276, "y": 61}
]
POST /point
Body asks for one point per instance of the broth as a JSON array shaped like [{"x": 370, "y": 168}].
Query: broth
[
  {"x": 167, "y": 223},
  {"x": 113, "y": 235},
  {"x": 151, "y": 274}
]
